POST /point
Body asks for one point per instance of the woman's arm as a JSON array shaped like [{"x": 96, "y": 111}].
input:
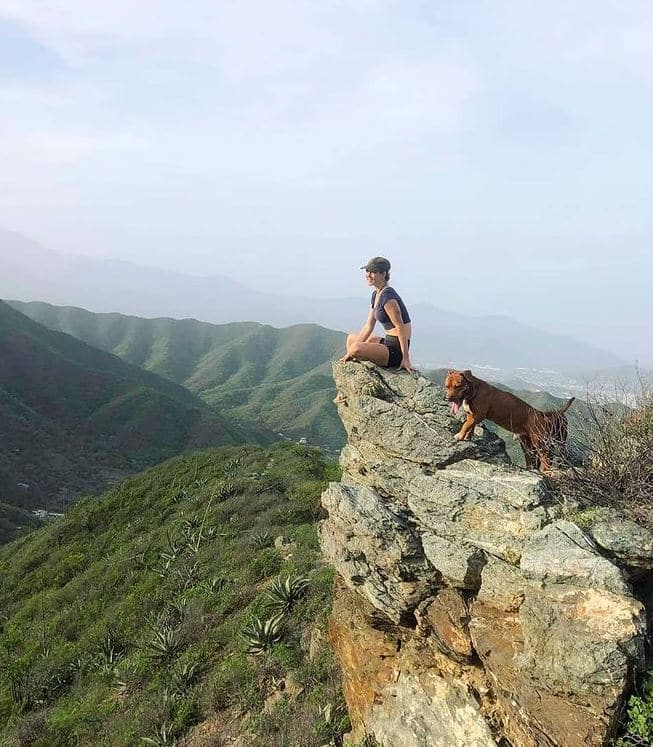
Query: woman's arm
[
  {"x": 368, "y": 327},
  {"x": 394, "y": 312},
  {"x": 362, "y": 336}
]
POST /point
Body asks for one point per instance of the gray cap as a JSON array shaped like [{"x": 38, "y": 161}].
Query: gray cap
[{"x": 377, "y": 264}]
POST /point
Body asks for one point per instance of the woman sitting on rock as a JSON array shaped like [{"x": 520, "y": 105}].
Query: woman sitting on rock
[{"x": 390, "y": 351}]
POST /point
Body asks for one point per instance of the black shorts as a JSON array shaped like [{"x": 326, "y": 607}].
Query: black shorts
[{"x": 392, "y": 343}]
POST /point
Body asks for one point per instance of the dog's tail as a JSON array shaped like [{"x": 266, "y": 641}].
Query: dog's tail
[{"x": 566, "y": 407}]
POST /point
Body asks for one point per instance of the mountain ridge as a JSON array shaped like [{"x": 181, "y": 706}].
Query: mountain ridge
[
  {"x": 278, "y": 377},
  {"x": 73, "y": 416},
  {"x": 442, "y": 337}
]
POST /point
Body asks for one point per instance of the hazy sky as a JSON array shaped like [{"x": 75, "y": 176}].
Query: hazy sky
[{"x": 500, "y": 153}]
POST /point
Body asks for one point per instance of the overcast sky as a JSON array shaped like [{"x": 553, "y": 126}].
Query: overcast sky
[{"x": 499, "y": 153}]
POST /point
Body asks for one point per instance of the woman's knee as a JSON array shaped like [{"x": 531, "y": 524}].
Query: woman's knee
[{"x": 354, "y": 347}]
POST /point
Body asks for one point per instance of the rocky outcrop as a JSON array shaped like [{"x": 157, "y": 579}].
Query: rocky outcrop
[{"x": 471, "y": 610}]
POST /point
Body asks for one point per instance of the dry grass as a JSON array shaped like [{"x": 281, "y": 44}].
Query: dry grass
[{"x": 611, "y": 458}]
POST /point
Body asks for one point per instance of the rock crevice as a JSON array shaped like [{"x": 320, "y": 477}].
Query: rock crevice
[{"x": 505, "y": 621}]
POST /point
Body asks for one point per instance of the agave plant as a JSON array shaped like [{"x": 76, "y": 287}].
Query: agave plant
[
  {"x": 191, "y": 522},
  {"x": 233, "y": 465},
  {"x": 180, "y": 495},
  {"x": 109, "y": 655},
  {"x": 262, "y": 634},
  {"x": 167, "y": 556},
  {"x": 332, "y": 722},
  {"x": 163, "y": 643},
  {"x": 283, "y": 595},
  {"x": 162, "y": 736},
  {"x": 187, "y": 575},
  {"x": 123, "y": 675},
  {"x": 261, "y": 540},
  {"x": 213, "y": 585},
  {"x": 193, "y": 542},
  {"x": 227, "y": 489},
  {"x": 183, "y": 677},
  {"x": 178, "y": 606}
]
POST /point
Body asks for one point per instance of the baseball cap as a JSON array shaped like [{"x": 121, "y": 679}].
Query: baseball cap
[{"x": 377, "y": 264}]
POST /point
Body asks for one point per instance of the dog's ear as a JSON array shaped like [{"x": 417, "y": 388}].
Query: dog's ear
[{"x": 467, "y": 375}]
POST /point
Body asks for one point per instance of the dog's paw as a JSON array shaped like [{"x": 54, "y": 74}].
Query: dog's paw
[{"x": 459, "y": 436}]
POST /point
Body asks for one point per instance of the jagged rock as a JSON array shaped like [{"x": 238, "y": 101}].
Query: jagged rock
[
  {"x": 525, "y": 630},
  {"x": 630, "y": 545},
  {"x": 502, "y": 586},
  {"x": 406, "y": 416},
  {"x": 562, "y": 553},
  {"x": 446, "y": 617},
  {"x": 389, "y": 695},
  {"x": 375, "y": 549}
]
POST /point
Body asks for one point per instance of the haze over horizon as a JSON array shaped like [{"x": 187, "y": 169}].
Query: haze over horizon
[{"x": 498, "y": 154}]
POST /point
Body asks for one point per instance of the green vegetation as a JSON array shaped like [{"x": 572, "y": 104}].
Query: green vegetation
[
  {"x": 280, "y": 378},
  {"x": 74, "y": 418},
  {"x": 130, "y": 620},
  {"x": 639, "y": 721}
]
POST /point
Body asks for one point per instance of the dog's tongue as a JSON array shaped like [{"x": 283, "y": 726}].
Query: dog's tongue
[{"x": 455, "y": 407}]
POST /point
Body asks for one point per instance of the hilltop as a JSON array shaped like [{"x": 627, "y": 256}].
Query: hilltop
[{"x": 74, "y": 418}]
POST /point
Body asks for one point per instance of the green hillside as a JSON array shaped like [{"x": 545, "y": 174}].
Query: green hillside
[
  {"x": 74, "y": 418},
  {"x": 280, "y": 378},
  {"x": 126, "y": 620}
]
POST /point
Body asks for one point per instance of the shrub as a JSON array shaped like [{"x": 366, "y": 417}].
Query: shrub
[
  {"x": 640, "y": 715},
  {"x": 617, "y": 468},
  {"x": 266, "y": 564}
]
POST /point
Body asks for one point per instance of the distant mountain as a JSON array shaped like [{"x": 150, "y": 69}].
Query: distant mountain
[
  {"x": 73, "y": 418},
  {"x": 280, "y": 378},
  {"x": 31, "y": 273}
]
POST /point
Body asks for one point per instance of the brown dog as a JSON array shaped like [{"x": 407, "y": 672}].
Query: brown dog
[{"x": 539, "y": 432}]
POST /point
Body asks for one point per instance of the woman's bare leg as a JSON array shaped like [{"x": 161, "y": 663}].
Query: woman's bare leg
[{"x": 373, "y": 350}]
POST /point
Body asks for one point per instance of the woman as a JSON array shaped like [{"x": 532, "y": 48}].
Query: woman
[{"x": 390, "y": 351}]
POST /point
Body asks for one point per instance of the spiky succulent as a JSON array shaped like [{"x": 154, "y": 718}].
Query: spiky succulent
[
  {"x": 163, "y": 642},
  {"x": 213, "y": 585},
  {"x": 227, "y": 489},
  {"x": 108, "y": 655},
  {"x": 163, "y": 735},
  {"x": 262, "y": 634},
  {"x": 284, "y": 594},
  {"x": 261, "y": 540}
]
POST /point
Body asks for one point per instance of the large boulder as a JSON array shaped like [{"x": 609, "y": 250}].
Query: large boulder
[{"x": 483, "y": 613}]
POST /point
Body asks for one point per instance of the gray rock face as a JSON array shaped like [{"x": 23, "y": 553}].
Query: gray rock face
[
  {"x": 624, "y": 541},
  {"x": 376, "y": 550},
  {"x": 473, "y": 562}
]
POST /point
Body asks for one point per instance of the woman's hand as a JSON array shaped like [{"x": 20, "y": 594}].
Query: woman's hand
[
  {"x": 406, "y": 364},
  {"x": 346, "y": 357}
]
